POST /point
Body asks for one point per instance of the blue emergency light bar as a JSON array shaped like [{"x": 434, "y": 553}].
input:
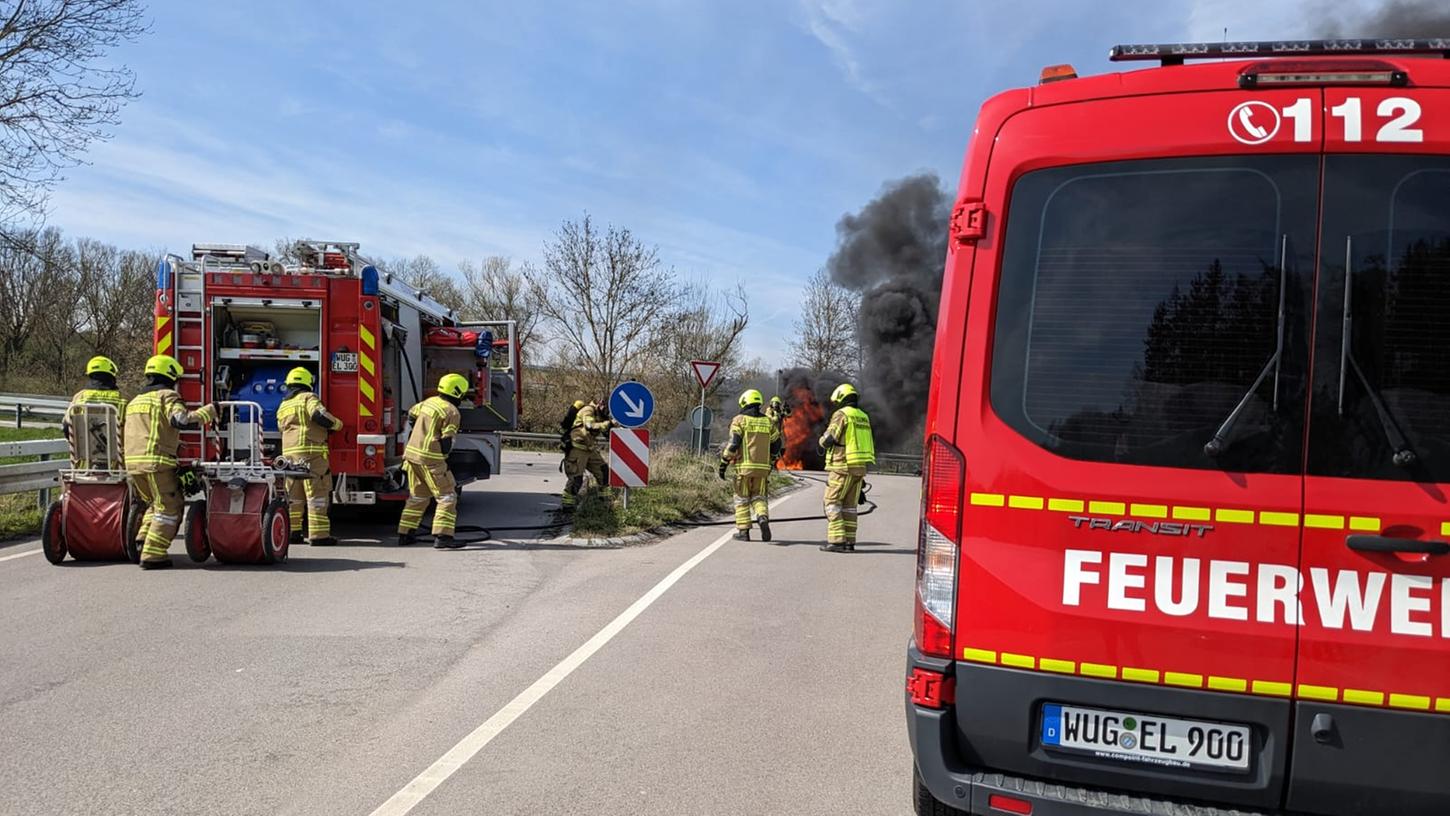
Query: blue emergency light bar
[{"x": 1177, "y": 53}]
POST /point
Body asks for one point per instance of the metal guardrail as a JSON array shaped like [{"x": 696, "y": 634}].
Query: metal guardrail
[
  {"x": 42, "y": 475},
  {"x": 49, "y": 409}
]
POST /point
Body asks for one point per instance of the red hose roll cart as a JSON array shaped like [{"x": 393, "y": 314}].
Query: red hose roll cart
[
  {"x": 96, "y": 517},
  {"x": 242, "y": 515}
]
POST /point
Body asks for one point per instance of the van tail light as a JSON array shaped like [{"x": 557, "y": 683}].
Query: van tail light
[{"x": 937, "y": 547}]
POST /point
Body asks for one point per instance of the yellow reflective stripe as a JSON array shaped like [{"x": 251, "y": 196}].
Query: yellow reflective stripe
[
  {"x": 1411, "y": 701},
  {"x": 979, "y": 655},
  {"x": 1099, "y": 670},
  {"x": 1272, "y": 689},
  {"x": 1308, "y": 692},
  {"x": 1182, "y": 679},
  {"x": 1065, "y": 505},
  {"x": 366, "y": 389},
  {"x": 366, "y": 335},
  {"x": 989, "y": 499},
  {"x": 1233, "y": 516},
  {"x": 1017, "y": 660},
  {"x": 1149, "y": 510},
  {"x": 1277, "y": 519},
  {"x": 1227, "y": 683},
  {"x": 1364, "y": 524},
  {"x": 1025, "y": 502},
  {"x": 1140, "y": 675},
  {"x": 1107, "y": 508},
  {"x": 1363, "y": 697},
  {"x": 1057, "y": 666},
  {"x": 1323, "y": 522},
  {"x": 1191, "y": 513}
]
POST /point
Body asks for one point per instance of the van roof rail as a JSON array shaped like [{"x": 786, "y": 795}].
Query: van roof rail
[{"x": 1177, "y": 53}]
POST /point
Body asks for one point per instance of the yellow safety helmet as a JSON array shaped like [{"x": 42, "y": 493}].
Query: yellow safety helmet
[
  {"x": 166, "y": 366},
  {"x": 842, "y": 391},
  {"x": 101, "y": 365},
  {"x": 751, "y": 396},
  {"x": 578, "y": 404},
  {"x": 300, "y": 376},
  {"x": 453, "y": 385},
  {"x": 776, "y": 400}
]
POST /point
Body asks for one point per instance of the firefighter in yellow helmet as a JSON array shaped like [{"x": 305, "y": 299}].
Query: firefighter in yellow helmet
[
  {"x": 584, "y": 455},
  {"x": 154, "y": 421},
  {"x": 305, "y": 424},
  {"x": 90, "y": 429},
  {"x": 753, "y": 447},
  {"x": 849, "y": 448},
  {"x": 425, "y": 460},
  {"x": 776, "y": 412}
]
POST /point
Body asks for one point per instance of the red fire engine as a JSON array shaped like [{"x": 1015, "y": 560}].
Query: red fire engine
[{"x": 238, "y": 319}]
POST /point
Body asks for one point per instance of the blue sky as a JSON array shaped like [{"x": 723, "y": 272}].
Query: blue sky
[{"x": 731, "y": 134}]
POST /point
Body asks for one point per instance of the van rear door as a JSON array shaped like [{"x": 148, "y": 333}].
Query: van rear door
[
  {"x": 1373, "y": 684},
  {"x": 1132, "y": 423}
]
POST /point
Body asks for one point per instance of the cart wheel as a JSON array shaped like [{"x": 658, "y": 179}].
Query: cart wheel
[
  {"x": 52, "y": 536},
  {"x": 276, "y": 529},
  {"x": 135, "y": 512},
  {"x": 198, "y": 548}
]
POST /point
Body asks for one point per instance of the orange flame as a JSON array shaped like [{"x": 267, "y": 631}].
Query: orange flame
[{"x": 799, "y": 429}]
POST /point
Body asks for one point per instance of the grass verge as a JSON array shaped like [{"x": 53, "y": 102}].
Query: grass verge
[
  {"x": 683, "y": 487},
  {"x": 20, "y": 512}
]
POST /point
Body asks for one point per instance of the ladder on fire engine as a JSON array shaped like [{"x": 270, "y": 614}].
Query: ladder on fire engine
[{"x": 189, "y": 336}]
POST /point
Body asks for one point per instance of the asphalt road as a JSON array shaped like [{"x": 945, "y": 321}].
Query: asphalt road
[{"x": 762, "y": 680}]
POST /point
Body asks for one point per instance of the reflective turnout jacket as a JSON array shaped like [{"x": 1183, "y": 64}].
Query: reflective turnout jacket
[
  {"x": 434, "y": 419},
  {"x": 754, "y": 441},
  {"x": 586, "y": 425},
  {"x": 77, "y": 422},
  {"x": 848, "y": 440},
  {"x": 154, "y": 421},
  {"x": 305, "y": 423}
]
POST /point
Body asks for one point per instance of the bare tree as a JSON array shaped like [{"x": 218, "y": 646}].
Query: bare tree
[
  {"x": 424, "y": 274},
  {"x": 604, "y": 296},
  {"x": 114, "y": 293},
  {"x": 826, "y": 333},
  {"x": 58, "y": 90},
  {"x": 497, "y": 290},
  {"x": 707, "y": 325}
]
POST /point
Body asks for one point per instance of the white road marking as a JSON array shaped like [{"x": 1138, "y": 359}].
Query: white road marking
[
  {"x": 18, "y": 555},
  {"x": 467, "y": 748}
]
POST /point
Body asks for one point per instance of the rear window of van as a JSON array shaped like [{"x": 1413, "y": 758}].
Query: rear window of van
[{"x": 1141, "y": 303}]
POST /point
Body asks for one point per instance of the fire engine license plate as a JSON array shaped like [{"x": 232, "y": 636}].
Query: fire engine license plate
[
  {"x": 344, "y": 361},
  {"x": 1146, "y": 738}
]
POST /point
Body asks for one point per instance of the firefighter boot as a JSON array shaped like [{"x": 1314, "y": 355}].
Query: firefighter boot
[
  {"x": 295, "y": 537},
  {"x": 834, "y": 548},
  {"x": 155, "y": 564},
  {"x": 404, "y": 539},
  {"x": 742, "y": 535},
  {"x": 325, "y": 541},
  {"x": 764, "y": 529},
  {"x": 446, "y": 542}
]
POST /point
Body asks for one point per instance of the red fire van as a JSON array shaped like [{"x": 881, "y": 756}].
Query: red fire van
[{"x": 1186, "y": 507}]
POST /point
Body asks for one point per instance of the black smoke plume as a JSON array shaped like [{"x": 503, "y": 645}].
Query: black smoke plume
[
  {"x": 1412, "y": 19},
  {"x": 892, "y": 253}
]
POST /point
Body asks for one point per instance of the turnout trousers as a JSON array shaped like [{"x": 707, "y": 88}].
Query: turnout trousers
[
  {"x": 162, "y": 495},
  {"x": 310, "y": 495},
  {"x": 750, "y": 501},
  {"x": 426, "y": 484},
  {"x": 578, "y": 462},
  {"x": 843, "y": 490}
]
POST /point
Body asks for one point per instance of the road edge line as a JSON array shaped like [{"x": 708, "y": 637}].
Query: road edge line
[
  {"x": 467, "y": 748},
  {"x": 19, "y": 555}
]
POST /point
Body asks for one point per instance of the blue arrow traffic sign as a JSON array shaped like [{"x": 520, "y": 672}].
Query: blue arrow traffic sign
[{"x": 631, "y": 404}]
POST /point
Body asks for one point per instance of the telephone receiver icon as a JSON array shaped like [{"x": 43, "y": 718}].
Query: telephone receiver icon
[{"x": 1247, "y": 120}]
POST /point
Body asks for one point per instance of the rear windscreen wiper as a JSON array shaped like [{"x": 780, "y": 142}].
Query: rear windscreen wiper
[
  {"x": 1216, "y": 446},
  {"x": 1403, "y": 455}
]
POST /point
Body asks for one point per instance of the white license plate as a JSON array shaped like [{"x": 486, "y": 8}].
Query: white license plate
[
  {"x": 344, "y": 361},
  {"x": 1146, "y": 738}
]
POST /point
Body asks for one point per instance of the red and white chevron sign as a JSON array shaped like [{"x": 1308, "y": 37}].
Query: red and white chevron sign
[{"x": 628, "y": 457}]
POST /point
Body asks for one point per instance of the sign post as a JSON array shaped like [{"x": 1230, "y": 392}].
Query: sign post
[
  {"x": 705, "y": 371},
  {"x": 631, "y": 404}
]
